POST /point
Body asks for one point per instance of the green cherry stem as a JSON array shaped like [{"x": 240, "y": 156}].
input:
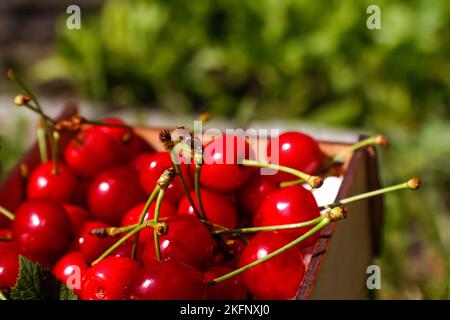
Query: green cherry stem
[
  {"x": 42, "y": 143},
  {"x": 8, "y": 214},
  {"x": 375, "y": 140},
  {"x": 322, "y": 224},
  {"x": 2, "y": 296},
  {"x": 198, "y": 168},
  {"x": 412, "y": 184},
  {"x": 55, "y": 145},
  {"x": 142, "y": 218},
  {"x": 156, "y": 218},
  {"x": 313, "y": 181}
]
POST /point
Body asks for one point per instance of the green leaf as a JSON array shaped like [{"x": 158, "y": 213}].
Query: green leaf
[{"x": 38, "y": 283}]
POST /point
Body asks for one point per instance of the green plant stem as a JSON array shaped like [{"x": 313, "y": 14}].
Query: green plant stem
[
  {"x": 7, "y": 213},
  {"x": 55, "y": 145},
  {"x": 366, "y": 195},
  {"x": 42, "y": 144},
  {"x": 313, "y": 181},
  {"x": 156, "y": 218},
  {"x": 198, "y": 168},
  {"x": 270, "y": 228},
  {"x": 2, "y": 296},
  {"x": 323, "y": 223},
  {"x": 122, "y": 240},
  {"x": 142, "y": 218},
  {"x": 215, "y": 225},
  {"x": 340, "y": 157}
]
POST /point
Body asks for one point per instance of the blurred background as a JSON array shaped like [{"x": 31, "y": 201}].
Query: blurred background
[{"x": 314, "y": 61}]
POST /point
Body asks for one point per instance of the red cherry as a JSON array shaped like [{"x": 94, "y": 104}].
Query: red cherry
[
  {"x": 9, "y": 264},
  {"x": 129, "y": 143},
  {"x": 78, "y": 217},
  {"x": 141, "y": 160},
  {"x": 289, "y": 205},
  {"x": 253, "y": 193},
  {"x": 113, "y": 193},
  {"x": 91, "y": 152},
  {"x": 277, "y": 278},
  {"x": 93, "y": 246},
  {"x": 108, "y": 279},
  {"x": 298, "y": 151},
  {"x": 61, "y": 187},
  {"x": 42, "y": 230},
  {"x": 152, "y": 170},
  {"x": 218, "y": 208},
  {"x": 231, "y": 289},
  {"x": 168, "y": 280},
  {"x": 222, "y": 170},
  {"x": 69, "y": 267},
  {"x": 132, "y": 217},
  {"x": 188, "y": 240}
]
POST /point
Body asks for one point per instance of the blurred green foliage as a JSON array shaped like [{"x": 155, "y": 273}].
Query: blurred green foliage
[{"x": 313, "y": 60}]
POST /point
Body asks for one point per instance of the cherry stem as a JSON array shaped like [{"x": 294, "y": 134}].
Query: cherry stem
[
  {"x": 221, "y": 227},
  {"x": 152, "y": 197},
  {"x": 412, "y": 184},
  {"x": 2, "y": 296},
  {"x": 55, "y": 140},
  {"x": 8, "y": 214},
  {"x": 112, "y": 231},
  {"x": 323, "y": 223},
  {"x": 313, "y": 181},
  {"x": 42, "y": 143},
  {"x": 198, "y": 168},
  {"x": 122, "y": 240},
  {"x": 375, "y": 140},
  {"x": 270, "y": 228},
  {"x": 156, "y": 218}
]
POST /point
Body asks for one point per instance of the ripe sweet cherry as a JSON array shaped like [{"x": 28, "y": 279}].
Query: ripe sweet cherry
[
  {"x": 9, "y": 264},
  {"x": 90, "y": 245},
  {"x": 69, "y": 267},
  {"x": 78, "y": 217},
  {"x": 255, "y": 191}
]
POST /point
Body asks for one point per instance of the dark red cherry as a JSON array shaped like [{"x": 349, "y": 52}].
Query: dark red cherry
[
  {"x": 222, "y": 169},
  {"x": 188, "y": 240},
  {"x": 108, "y": 279},
  {"x": 253, "y": 193},
  {"x": 9, "y": 264},
  {"x": 168, "y": 280},
  {"x": 128, "y": 142},
  {"x": 152, "y": 170},
  {"x": 141, "y": 160},
  {"x": 78, "y": 217},
  {"x": 218, "y": 208},
  {"x": 231, "y": 289},
  {"x": 70, "y": 270},
  {"x": 42, "y": 230},
  {"x": 91, "y": 152},
  {"x": 132, "y": 217},
  {"x": 113, "y": 193},
  {"x": 278, "y": 278},
  {"x": 90, "y": 245},
  {"x": 288, "y": 205},
  {"x": 298, "y": 151},
  {"x": 61, "y": 187}
]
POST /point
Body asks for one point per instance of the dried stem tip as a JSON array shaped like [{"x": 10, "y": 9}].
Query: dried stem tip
[
  {"x": 162, "y": 228},
  {"x": 337, "y": 213},
  {"x": 74, "y": 123},
  {"x": 23, "y": 170},
  {"x": 10, "y": 74},
  {"x": 382, "y": 141},
  {"x": 315, "y": 181},
  {"x": 166, "y": 139},
  {"x": 21, "y": 100},
  {"x": 165, "y": 179},
  {"x": 414, "y": 183}
]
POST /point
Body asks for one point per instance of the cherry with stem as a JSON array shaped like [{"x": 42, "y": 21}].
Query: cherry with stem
[{"x": 156, "y": 218}]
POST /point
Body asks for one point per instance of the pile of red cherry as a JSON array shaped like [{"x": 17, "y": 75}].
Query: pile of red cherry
[{"x": 104, "y": 179}]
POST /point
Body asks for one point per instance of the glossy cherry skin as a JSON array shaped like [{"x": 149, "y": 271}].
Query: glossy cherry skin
[
  {"x": 78, "y": 217},
  {"x": 132, "y": 217},
  {"x": 113, "y": 193},
  {"x": 61, "y": 187},
  {"x": 168, "y": 280},
  {"x": 218, "y": 208},
  {"x": 154, "y": 166},
  {"x": 255, "y": 191},
  {"x": 222, "y": 170},
  {"x": 9, "y": 264},
  {"x": 90, "y": 245},
  {"x": 129, "y": 143},
  {"x": 298, "y": 151},
  {"x": 231, "y": 289},
  {"x": 278, "y": 278},
  {"x": 69, "y": 267},
  {"x": 91, "y": 152},
  {"x": 42, "y": 230},
  {"x": 288, "y": 205},
  {"x": 108, "y": 279},
  {"x": 188, "y": 241}
]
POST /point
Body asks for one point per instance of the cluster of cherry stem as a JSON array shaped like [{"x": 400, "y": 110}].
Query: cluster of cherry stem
[{"x": 333, "y": 212}]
